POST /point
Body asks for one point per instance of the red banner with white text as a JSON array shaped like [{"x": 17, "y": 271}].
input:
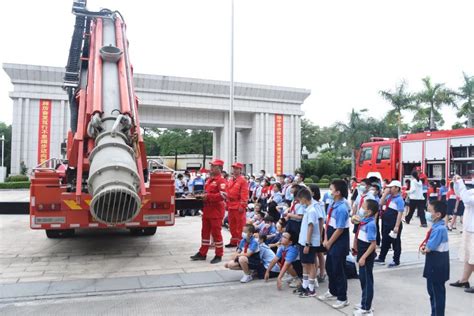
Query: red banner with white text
[
  {"x": 278, "y": 143},
  {"x": 44, "y": 130}
]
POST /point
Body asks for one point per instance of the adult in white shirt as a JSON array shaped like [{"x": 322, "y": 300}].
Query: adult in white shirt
[
  {"x": 417, "y": 200},
  {"x": 466, "y": 253}
]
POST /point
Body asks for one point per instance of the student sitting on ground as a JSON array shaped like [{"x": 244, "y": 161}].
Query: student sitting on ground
[
  {"x": 266, "y": 257},
  {"x": 273, "y": 211},
  {"x": 247, "y": 256},
  {"x": 269, "y": 227},
  {"x": 274, "y": 242},
  {"x": 287, "y": 254}
]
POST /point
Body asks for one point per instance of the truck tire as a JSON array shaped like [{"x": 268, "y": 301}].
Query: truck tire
[
  {"x": 143, "y": 231},
  {"x": 59, "y": 233}
]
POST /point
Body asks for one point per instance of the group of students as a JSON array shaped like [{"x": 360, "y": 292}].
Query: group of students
[{"x": 302, "y": 239}]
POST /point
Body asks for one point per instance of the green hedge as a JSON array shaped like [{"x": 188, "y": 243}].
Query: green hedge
[
  {"x": 18, "y": 178},
  {"x": 15, "y": 185},
  {"x": 320, "y": 185}
]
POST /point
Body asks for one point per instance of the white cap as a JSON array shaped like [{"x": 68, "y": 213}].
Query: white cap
[{"x": 394, "y": 183}]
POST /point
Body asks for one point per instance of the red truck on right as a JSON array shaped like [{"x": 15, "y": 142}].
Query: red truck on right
[{"x": 438, "y": 154}]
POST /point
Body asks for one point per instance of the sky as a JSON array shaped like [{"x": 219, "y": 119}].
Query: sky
[{"x": 343, "y": 51}]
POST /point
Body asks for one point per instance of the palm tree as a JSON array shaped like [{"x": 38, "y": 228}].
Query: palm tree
[
  {"x": 466, "y": 94},
  {"x": 435, "y": 95},
  {"x": 400, "y": 100},
  {"x": 354, "y": 133}
]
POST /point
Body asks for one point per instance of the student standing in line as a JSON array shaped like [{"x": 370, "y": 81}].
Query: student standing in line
[
  {"x": 309, "y": 239},
  {"x": 417, "y": 200},
  {"x": 436, "y": 248},
  {"x": 392, "y": 213},
  {"x": 320, "y": 251},
  {"x": 336, "y": 241},
  {"x": 452, "y": 202},
  {"x": 365, "y": 250}
]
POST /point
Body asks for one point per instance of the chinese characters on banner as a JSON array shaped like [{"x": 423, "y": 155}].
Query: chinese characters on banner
[
  {"x": 278, "y": 143},
  {"x": 44, "y": 130}
]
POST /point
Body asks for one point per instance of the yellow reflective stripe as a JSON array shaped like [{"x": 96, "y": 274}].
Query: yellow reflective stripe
[
  {"x": 72, "y": 205},
  {"x": 144, "y": 202},
  {"x": 88, "y": 202}
]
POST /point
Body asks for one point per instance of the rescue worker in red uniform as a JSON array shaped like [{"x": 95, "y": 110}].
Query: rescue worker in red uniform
[
  {"x": 213, "y": 213},
  {"x": 237, "y": 198}
]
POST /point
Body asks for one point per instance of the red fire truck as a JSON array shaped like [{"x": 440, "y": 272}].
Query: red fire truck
[{"x": 438, "y": 154}]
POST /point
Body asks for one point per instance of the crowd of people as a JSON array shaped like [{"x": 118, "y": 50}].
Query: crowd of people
[{"x": 283, "y": 228}]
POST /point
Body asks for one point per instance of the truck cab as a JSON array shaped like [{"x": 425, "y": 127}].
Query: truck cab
[{"x": 378, "y": 158}]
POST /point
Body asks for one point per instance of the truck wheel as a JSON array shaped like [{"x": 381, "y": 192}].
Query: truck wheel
[{"x": 59, "y": 233}]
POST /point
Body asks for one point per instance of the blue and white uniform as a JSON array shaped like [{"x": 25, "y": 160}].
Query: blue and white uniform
[
  {"x": 266, "y": 256},
  {"x": 197, "y": 185},
  {"x": 311, "y": 216},
  {"x": 291, "y": 253},
  {"x": 338, "y": 218},
  {"x": 436, "y": 269}
]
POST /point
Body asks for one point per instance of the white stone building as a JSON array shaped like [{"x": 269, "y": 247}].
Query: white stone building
[{"x": 170, "y": 102}]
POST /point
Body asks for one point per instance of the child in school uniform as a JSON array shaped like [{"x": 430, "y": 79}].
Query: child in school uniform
[
  {"x": 308, "y": 241},
  {"x": 320, "y": 251},
  {"x": 336, "y": 241},
  {"x": 365, "y": 250},
  {"x": 433, "y": 192},
  {"x": 436, "y": 248},
  {"x": 393, "y": 207},
  {"x": 266, "y": 256},
  {"x": 247, "y": 255},
  {"x": 443, "y": 190},
  {"x": 452, "y": 202},
  {"x": 286, "y": 255}
]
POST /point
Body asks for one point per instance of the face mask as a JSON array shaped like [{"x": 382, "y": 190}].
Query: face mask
[
  {"x": 372, "y": 192},
  {"x": 287, "y": 180},
  {"x": 251, "y": 180},
  {"x": 361, "y": 189},
  {"x": 297, "y": 178},
  {"x": 244, "y": 235},
  {"x": 428, "y": 217},
  {"x": 272, "y": 182},
  {"x": 261, "y": 174}
]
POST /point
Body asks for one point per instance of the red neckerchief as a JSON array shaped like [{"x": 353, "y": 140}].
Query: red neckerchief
[
  {"x": 387, "y": 205},
  {"x": 246, "y": 246},
  {"x": 293, "y": 206},
  {"x": 361, "y": 223},
  {"x": 328, "y": 219},
  {"x": 362, "y": 198},
  {"x": 283, "y": 256},
  {"x": 428, "y": 234}
]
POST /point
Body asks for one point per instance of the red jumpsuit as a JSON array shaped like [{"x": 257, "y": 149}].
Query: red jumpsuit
[
  {"x": 213, "y": 214},
  {"x": 237, "y": 198}
]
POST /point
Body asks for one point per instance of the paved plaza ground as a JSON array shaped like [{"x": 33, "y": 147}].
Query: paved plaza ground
[{"x": 119, "y": 272}]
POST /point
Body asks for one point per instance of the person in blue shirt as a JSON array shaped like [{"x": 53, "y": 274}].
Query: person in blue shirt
[
  {"x": 436, "y": 249},
  {"x": 443, "y": 190},
  {"x": 266, "y": 257},
  {"x": 287, "y": 189},
  {"x": 269, "y": 226},
  {"x": 286, "y": 255},
  {"x": 308, "y": 241},
  {"x": 247, "y": 256},
  {"x": 197, "y": 185},
  {"x": 336, "y": 241},
  {"x": 179, "y": 185},
  {"x": 393, "y": 207},
  {"x": 365, "y": 250},
  {"x": 277, "y": 197},
  {"x": 320, "y": 251},
  {"x": 327, "y": 200}
]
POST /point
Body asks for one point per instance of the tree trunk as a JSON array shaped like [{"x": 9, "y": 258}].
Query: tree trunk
[
  {"x": 353, "y": 162},
  {"x": 176, "y": 159},
  {"x": 399, "y": 124},
  {"x": 432, "y": 125}
]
